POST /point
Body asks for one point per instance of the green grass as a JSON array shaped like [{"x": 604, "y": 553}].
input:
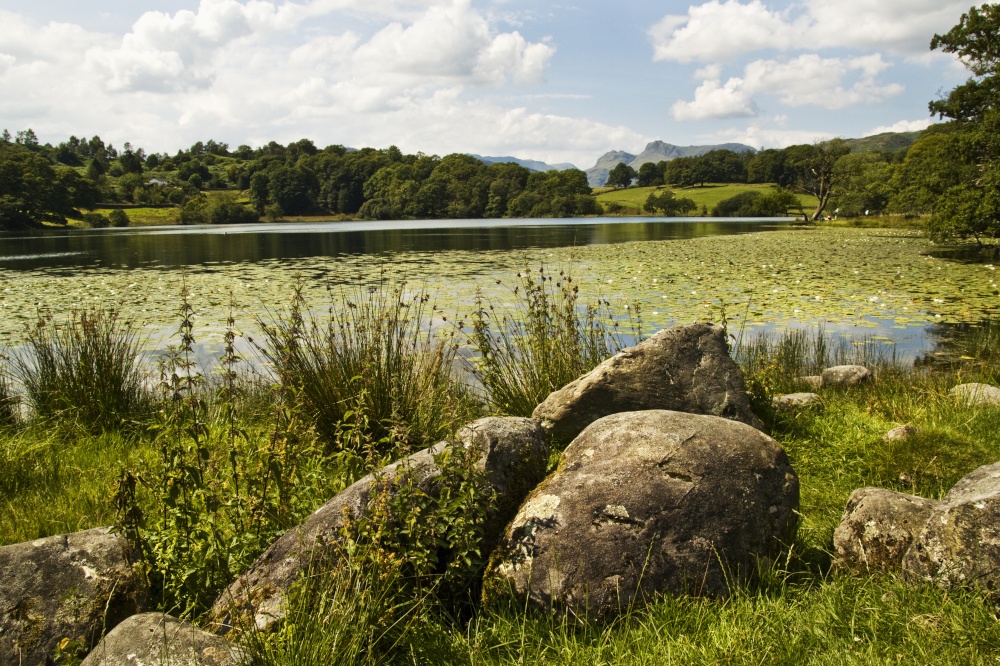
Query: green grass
[
  {"x": 801, "y": 611},
  {"x": 708, "y": 196},
  {"x": 148, "y": 217}
]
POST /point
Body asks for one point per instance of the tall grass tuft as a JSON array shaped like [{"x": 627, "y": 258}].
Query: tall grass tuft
[
  {"x": 547, "y": 341},
  {"x": 87, "y": 372},
  {"x": 780, "y": 360},
  {"x": 9, "y": 403},
  {"x": 375, "y": 353}
]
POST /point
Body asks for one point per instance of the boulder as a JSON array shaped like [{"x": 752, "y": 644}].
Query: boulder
[
  {"x": 844, "y": 376},
  {"x": 513, "y": 456},
  {"x": 789, "y": 402},
  {"x": 685, "y": 368},
  {"x": 975, "y": 395},
  {"x": 960, "y": 542},
  {"x": 901, "y": 433},
  {"x": 70, "y": 586},
  {"x": 877, "y": 528},
  {"x": 645, "y": 503},
  {"x": 160, "y": 640}
]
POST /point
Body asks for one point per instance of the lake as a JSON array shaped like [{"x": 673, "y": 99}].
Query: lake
[
  {"x": 882, "y": 286},
  {"x": 189, "y": 246}
]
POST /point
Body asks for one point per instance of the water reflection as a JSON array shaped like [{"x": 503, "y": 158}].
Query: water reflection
[
  {"x": 968, "y": 254},
  {"x": 191, "y": 246}
]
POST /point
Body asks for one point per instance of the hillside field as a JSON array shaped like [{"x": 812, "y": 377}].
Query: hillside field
[{"x": 708, "y": 196}]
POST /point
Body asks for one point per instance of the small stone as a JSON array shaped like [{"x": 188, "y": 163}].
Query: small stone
[
  {"x": 844, "y": 376},
  {"x": 900, "y": 433},
  {"x": 974, "y": 395},
  {"x": 795, "y": 401}
]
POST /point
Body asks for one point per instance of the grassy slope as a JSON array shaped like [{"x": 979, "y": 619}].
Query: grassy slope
[{"x": 708, "y": 196}]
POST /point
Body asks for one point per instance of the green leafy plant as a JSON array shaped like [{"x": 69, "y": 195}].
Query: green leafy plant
[
  {"x": 547, "y": 341},
  {"x": 219, "y": 494}
]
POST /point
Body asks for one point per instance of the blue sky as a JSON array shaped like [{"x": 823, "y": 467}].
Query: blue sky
[{"x": 559, "y": 82}]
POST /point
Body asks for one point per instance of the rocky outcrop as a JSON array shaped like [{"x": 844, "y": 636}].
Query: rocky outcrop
[
  {"x": 155, "y": 639},
  {"x": 686, "y": 369},
  {"x": 71, "y": 586},
  {"x": 976, "y": 395},
  {"x": 877, "y": 528},
  {"x": 845, "y": 376},
  {"x": 643, "y": 503},
  {"x": 960, "y": 542},
  {"x": 790, "y": 402},
  {"x": 513, "y": 455}
]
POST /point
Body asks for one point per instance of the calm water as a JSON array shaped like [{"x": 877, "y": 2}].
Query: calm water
[
  {"x": 176, "y": 246},
  {"x": 65, "y": 250}
]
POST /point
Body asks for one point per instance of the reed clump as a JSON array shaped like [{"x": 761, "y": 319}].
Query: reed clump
[
  {"x": 376, "y": 352},
  {"x": 544, "y": 341},
  {"x": 86, "y": 372}
]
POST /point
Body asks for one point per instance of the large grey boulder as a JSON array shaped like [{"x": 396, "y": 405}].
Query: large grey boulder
[
  {"x": 155, "y": 639},
  {"x": 976, "y": 395},
  {"x": 685, "y": 368},
  {"x": 960, "y": 542},
  {"x": 877, "y": 528},
  {"x": 845, "y": 376},
  {"x": 72, "y": 586},
  {"x": 513, "y": 455},
  {"x": 643, "y": 503}
]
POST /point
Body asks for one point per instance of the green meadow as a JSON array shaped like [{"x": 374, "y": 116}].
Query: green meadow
[{"x": 707, "y": 196}]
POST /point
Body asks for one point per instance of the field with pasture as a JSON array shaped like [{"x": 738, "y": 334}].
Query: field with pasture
[{"x": 707, "y": 196}]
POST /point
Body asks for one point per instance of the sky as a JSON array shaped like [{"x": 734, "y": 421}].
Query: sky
[{"x": 557, "y": 82}]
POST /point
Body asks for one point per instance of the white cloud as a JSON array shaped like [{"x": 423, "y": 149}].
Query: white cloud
[
  {"x": 714, "y": 100},
  {"x": 270, "y": 70},
  {"x": 759, "y": 135},
  {"x": 719, "y": 31},
  {"x": 805, "y": 80},
  {"x": 902, "y": 126}
]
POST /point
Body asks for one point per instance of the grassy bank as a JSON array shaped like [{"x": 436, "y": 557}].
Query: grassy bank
[{"x": 707, "y": 196}]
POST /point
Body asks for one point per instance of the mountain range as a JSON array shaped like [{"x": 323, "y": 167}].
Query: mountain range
[{"x": 657, "y": 151}]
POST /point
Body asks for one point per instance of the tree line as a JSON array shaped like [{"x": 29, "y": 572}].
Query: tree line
[
  {"x": 950, "y": 173},
  {"x": 52, "y": 183}
]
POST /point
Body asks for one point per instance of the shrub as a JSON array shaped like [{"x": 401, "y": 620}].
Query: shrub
[
  {"x": 118, "y": 218},
  {"x": 87, "y": 371},
  {"x": 96, "y": 220},
  {"x": 548, "y": 341},
  {"x": 229, "y": 212}
]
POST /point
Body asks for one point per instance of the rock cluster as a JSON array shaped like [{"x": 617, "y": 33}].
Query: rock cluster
[
  {"x": 667, "y": 485},
  {"x": 644, "y": 503}
]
